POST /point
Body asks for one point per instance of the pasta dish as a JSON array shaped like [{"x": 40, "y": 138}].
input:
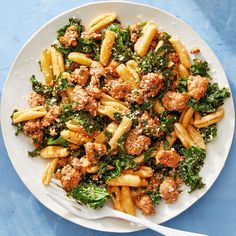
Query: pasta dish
[{"x": 122, "y": 113}]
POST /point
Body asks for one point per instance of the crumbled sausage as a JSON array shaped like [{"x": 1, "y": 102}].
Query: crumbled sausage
[
  {"x": 62, "y": 161},
  {"x": 80, "y": 75},
  {"x": 119, "y": 90},
  {"x": 195, "y": 50},
  {"x": 168, "y": 158},
  {"x": 76, "y": 164},
  {"x": 173, "y": 101},
  {"x": 145, "y": 204},
  {"x": 154, "y": 42},
  {"x": 36, "y": 138},
  {"x": 156, "y": 180},
  {"x": 197, "y": 86},
  {"x": 70, "y": 37},
  {"x": 35, "y": 100},
  {"x": 96, "y": 70},
  {"x": 80, "y": 98},
  {"x": 110, "y": 70},
  {"x": 151, "y": 84},
  {"x": 134, "y": 32},
  {"x": 72, "y": 66},
  {"x": 51, "y": 116},
  {"x": 135, "y": 96},
  {"x": 169, "y": 190},
  {"x": 135, "y": 143},
  {"x": 94, "y": 151},
  {"x": 91, "y": 35},
  {"x": 93, "y": 89},
  {"x": 31, "y": 126},
  {"x": 149, "y": 125},
  {"x": 173, "y": 57},
  {"x": 92, "y": 106},
  {"x": 70, "y": 177}
]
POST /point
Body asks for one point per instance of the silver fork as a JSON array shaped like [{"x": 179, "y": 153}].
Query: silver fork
[{"x": 56, "y": 192}]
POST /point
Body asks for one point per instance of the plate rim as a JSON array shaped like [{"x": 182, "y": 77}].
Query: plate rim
[{"x": 90, "y": 226}]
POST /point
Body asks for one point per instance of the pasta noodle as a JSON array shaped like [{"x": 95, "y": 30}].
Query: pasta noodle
[
  {"x": 29, "y": 114},
  {"x": 80, "y": 58},
  {"x": 123, "y": 127},
  {"x": 101, "y": 21},
  {"x": 46, "y": 66},
  {"x": 142, "y": 45},
  {"x": 181, "y": 51},
  {"x": 106, "y": 47},
  {"x": 48, "y": 171}
]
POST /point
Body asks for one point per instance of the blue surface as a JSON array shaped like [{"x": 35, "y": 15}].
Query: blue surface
[{"x": 22, "y": 214}]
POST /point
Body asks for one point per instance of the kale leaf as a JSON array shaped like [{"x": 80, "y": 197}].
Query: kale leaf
[
  {"x": 167, "y": 121},
  {"x": 209, "y": 133},
  {"x": 213, "y": 99},
  {"x": 122, "y": 50},
  {"x": 155, "y": 196},
  {"x": 182, "y": 85},
  {"x": 39, "y": 88},
  {"x": 118, "y": 163},
  {"x": 72, "y": 22},
  {"x": 117, "y": 116},
  {"x": 59, "y": 141},
  {"x": 190, "y": 167},
  {"x": 156, "y": 61},
  {"x": 121, "y": 142},
  {"x": 199, "y": 68},
  {"x": 89, "y": 194}
]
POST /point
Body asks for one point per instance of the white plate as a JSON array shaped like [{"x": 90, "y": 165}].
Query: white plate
[{"x": 18, "y": 87}]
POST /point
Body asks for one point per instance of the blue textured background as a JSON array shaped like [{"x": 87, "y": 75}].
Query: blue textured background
[{"x": 22, "y": 214}]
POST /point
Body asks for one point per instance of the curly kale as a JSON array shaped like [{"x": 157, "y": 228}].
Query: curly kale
[
  {"x": 89, "y": 194},
  {"x": 72, "y": 22},
  {"x": 199, "y": 68},
  {"x": 118, "y": 163},
  {"x": 167, "y": 122},
  {"x": 190, "y": 167},
  {"x": 182, "y": 85},
  {"x": 122, "y": 50},
  {"x": 59, "y": 141},
  {"x": 213, "y": 99},
  {"x": 155, "y": 196},
  {"x": 39, "y": 88},
  {"x": 209, "y": 133},
  {"x": 157, "y": 61}
]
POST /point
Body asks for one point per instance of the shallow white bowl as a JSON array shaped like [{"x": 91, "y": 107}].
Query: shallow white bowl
[{"x": 17, "y": 88}]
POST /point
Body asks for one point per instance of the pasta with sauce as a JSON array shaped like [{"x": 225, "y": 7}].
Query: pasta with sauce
[{"x": 122, "y": 113}]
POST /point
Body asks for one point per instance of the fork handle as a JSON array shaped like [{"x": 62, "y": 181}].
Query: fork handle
[{"x": 158, "y": 228}]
